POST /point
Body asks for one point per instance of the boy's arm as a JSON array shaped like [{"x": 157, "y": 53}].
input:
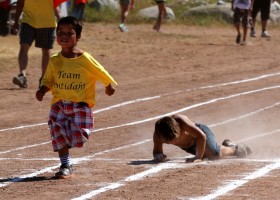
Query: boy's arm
[
  {"x": 158, "y": 151},
  {"x": 187, "y": 125},
  {"x": 41, "y": 92}
]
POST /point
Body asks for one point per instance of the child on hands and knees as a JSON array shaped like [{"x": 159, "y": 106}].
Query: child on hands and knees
[
  {"x": 194, "y": 138},
  {"x": 71, "y": 76}
]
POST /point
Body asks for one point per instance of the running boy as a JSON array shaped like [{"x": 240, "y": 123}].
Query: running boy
[
  {"x": 196, "y": 139},
  {"x": 71, "y": 76},
  {"x": 242, "y": 11}
]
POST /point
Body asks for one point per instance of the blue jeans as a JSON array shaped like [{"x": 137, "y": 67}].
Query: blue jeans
[{"x": 211, "y": 143}]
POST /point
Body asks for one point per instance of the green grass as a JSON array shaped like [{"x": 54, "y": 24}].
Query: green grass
[{"x": 110, "y": 16}]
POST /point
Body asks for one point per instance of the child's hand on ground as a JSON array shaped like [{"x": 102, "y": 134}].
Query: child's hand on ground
[
  {"x": 110, "y": 90},
  {"x": 193, "y": 159},
  {"x": 160, "y": 157}
]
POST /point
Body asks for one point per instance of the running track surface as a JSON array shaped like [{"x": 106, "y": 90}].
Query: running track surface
[{"x": 239, "y": 104}]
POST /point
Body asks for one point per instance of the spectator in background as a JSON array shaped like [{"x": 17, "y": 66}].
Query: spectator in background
[
  {"x": 242, "y": 10},
  {"x": 125, "y": 6},
  {"x": 78, "y": 9},
  {"x": 161, "y": 13},
  {"x": 4, "y": 16},
  {"x": 38, "y": 23},
  {"x": 264, "y": 7}
]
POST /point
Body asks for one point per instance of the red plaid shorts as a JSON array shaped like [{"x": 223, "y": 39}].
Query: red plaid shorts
[{"x": 70, "y": 124}]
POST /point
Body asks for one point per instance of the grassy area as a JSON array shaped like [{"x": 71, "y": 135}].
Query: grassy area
[{"x": 179, "y": 8}]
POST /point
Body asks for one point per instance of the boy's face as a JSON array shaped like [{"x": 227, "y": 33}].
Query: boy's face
[
  {"x": 177, "y": 130},
  {"x": 66, "y": 36}
]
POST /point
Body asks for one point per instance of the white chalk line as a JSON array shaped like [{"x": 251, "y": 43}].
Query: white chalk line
[
  {"x": 247, "y": 115},
  {"x": 232, "y": 185},
  {"x": 128, "y": 161},
  {"x": 227, "y": 121},
  {"x": 174, "y": 112},
  {"x": 79, "y": 160},
  {"x": 103, "y": 152},
  {"x": 75, "y": 161},
  {"x": 24, "y": 147},
  {"x": 188, "y": 108},
  {"x": 155, "y": 97},
  {"x": 160, "y": 167},
  {"x": 41, "y": 171},
  {"x": 115, "y": 185}
]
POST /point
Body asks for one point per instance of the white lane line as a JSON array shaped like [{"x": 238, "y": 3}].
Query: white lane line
[
  {"x": 221, "y": 191},
  {"x": 138, "y": 161},
  {"x": 75, "y": 161},
  {"x": 79, "y": 160},
  {"x": 189, "y": 107},
  {"x": 155, "y": 97},
  {"x": 232, "y": 185},
  {"x": 174, "y": 112},
  {"x": 246, "y": 115},
  {"x": 42, "y": 171},
  {"x": 24, "y": 147},
  {"x": 260, "y": 135},
  {"x": 22, "y": 177},
  {"x": 135, "y": 177}
]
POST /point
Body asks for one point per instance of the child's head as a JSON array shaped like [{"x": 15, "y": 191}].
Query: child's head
[
  {"x": 74, "y": 23},
  {"x": 167, "y": 128}
]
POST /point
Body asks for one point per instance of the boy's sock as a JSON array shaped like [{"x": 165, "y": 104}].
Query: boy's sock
[{"x": 65, "y": 159}]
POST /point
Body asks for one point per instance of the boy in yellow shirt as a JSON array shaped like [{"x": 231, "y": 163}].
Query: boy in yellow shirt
[{"x": 71, "y": 76}]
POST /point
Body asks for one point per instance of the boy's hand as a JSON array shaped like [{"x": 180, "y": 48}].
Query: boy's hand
[
  {"x": 39, "y": 95},
  {"x": 110, "y": 90},
  {"x": 193, "y": 159},
  {"x": 160, "y": 157},
  {"x": 41, "y": 92}
]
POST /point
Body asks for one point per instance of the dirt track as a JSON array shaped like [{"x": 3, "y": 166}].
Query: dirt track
[{"x": 196, "y": 71}]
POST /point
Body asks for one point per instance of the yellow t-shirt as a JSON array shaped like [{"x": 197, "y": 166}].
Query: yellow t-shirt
[
  {"x": 74, "y": 79},
  {"x": 39, "y": 13}
]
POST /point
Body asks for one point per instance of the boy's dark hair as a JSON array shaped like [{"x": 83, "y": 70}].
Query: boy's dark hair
[
  {"x": 73, "y": 22},
  {"x": 166, "y": 128}
]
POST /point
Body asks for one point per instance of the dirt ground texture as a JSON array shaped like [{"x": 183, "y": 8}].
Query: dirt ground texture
[{"x": 197, "y": 71}]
